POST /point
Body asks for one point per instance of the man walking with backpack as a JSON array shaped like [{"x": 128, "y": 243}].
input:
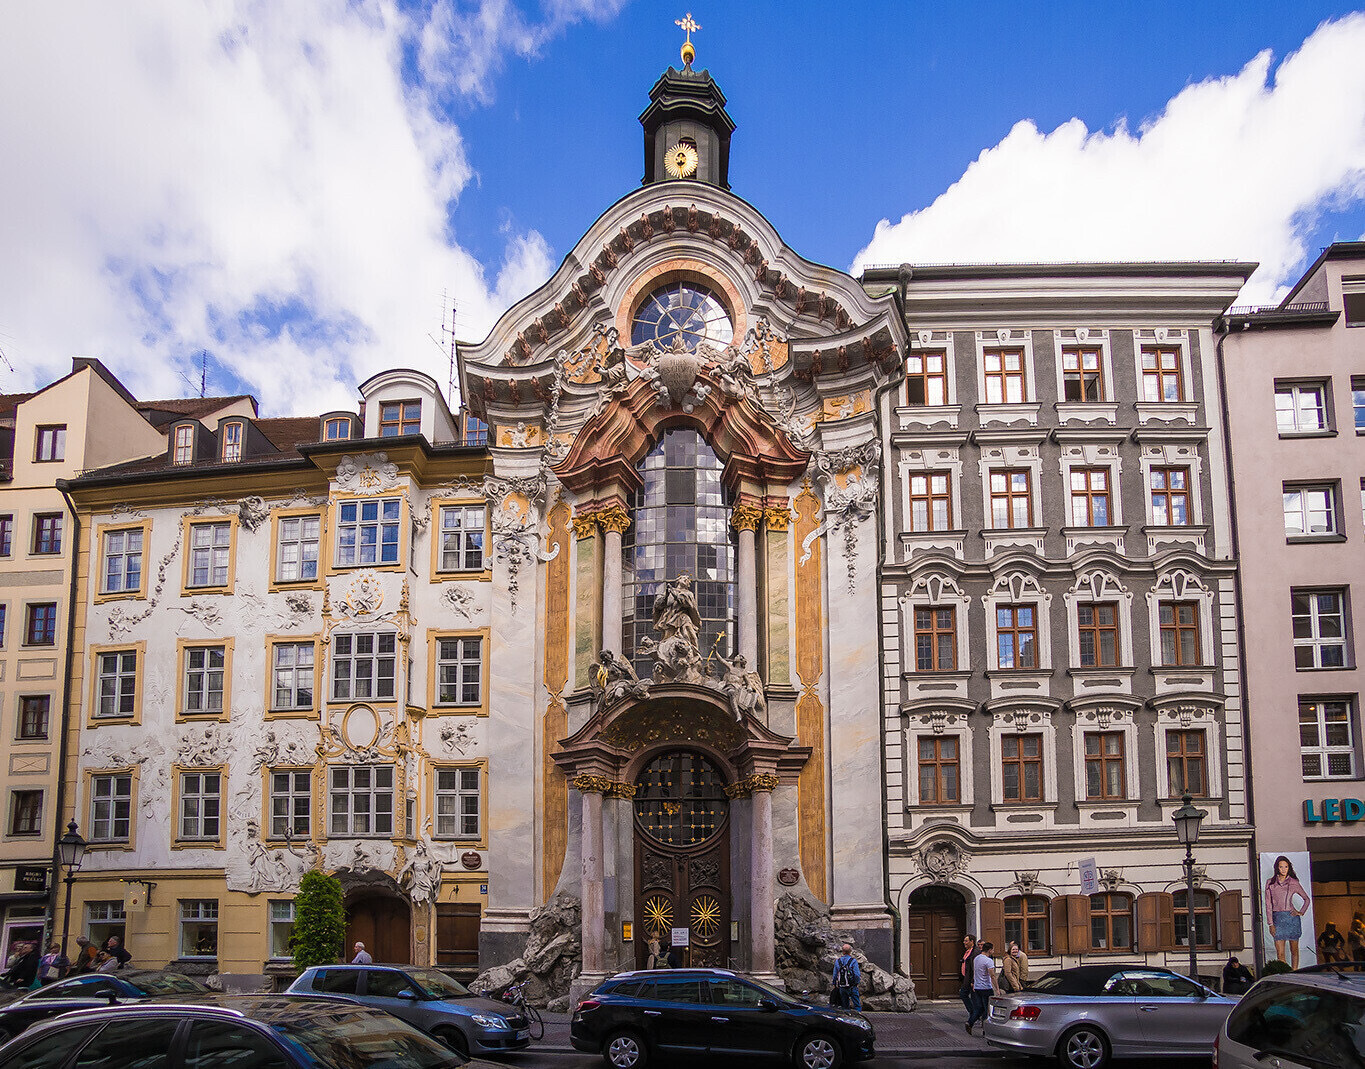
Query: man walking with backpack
[{"x": 847, "y": 976}]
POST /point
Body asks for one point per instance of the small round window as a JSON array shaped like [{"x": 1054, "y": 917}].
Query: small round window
[{"x": 685, "y": 312}]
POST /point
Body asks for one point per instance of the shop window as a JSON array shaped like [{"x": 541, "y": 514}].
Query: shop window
[
  {"x": 199, "y": 928},
  {"x": 281, "y": 929},
  {"x": 1203, "y": 920}
]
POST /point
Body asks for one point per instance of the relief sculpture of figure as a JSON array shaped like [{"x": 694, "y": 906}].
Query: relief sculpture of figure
[
  {"x": 675, "y": 616},
  {"x": 743, "y": 686},
  {"x": 614, "y": 678},
  {"x": 735, "y": 375}
]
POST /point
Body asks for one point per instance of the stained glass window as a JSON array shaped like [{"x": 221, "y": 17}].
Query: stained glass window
[
  {"x": 686, "y": 311},
  {"x": 680, "y": 799},
  {"x": 682, "y": 524}
]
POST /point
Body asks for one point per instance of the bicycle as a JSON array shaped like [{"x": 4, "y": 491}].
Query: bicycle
[{"x": 516, "y": 996}]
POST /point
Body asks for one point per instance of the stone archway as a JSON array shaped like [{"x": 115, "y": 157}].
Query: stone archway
[{"x": 378, "y": 914}]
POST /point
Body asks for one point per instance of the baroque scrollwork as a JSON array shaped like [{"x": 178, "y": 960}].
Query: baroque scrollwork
[
  {"x": 848, "y": 502},
  {"x": 252, "y": 512},
  {"x": 367, "y": 473},
  {"x": 941, "y": 860}
]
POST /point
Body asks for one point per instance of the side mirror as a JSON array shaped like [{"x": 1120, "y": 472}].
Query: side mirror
[
  {"x": 767, "y": 1005},
  {"x": 112, "y": 995},
  {"x": 408, "y": 994}
]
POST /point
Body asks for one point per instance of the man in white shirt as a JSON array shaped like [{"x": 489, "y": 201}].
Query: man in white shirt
[
  {"x": 361, "y": 957},
  {"x": 984, "y": 985}
]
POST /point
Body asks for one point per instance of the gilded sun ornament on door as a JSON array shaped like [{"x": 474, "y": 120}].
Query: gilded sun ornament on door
[
  {"x": 706, "y": 916},
  {"x": 658, "y": 913}
]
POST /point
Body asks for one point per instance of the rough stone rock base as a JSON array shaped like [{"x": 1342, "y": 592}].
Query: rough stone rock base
[
  {"x": 807, "y": 948},
  {"x": 551, "y": 959}
]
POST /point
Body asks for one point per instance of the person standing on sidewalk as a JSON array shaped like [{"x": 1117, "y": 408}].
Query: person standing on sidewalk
[
  {"x": 362, "y": 956},
  {"x": 847, "y": 976},
  {"x": 965, "y": 971},
  {"x": 984, "y": 985},
  {"x": 1014, "y": 968}
]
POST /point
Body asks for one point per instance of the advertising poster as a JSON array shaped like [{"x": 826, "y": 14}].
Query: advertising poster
[{"x": 1287, "y": 908}]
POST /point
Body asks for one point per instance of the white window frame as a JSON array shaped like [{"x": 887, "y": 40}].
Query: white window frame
[
  {"x": 292, "y": 804},
  {"x": 1294, "y": 390},
  {"x": 294, "y": 669},
  {"x": 1092, "y": 588},
  {"x": 1316, "y": 642},
  {"x": 183, "y": 448},
  {"x": 111, "y": 806},
  {"x": 119, "y": 548},
  {"x": 203, "y": 680},
  {"x": 1092, "y": 719},
  {"x": 291, "y": 533},
  {"x": 376, "y": 659},
  {"x": 458, "y": 663},
  {"x": 107, "y": 915},
  {"x": 116, "y": 682},
  {"x": 210, "y": 555},
  {"x": 454, "y": 797},
  {"x": 355, "y": 526},
  {"x": 456, "y": 558},
  {"x": 345, "y": 782},
  {"x": 1304, "y": 512},
  {"x": 281, "y": 912},
  {"x": 1324, "y": 750},
  {"x": 198, "y": 911},
  {"x": 201, "y": 805},
  {"x": 1183, "y": 716},
  {"x": 233, "y": 434}
]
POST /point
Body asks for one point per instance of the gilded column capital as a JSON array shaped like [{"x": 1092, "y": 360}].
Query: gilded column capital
[
  {"x": 777, "y": 517},
  {"x": 755, "y": 781},
  {"x": 585, "y": 525},
  {"x": 746, "y": 517},
  {"x": 584, "y": 783},
  {"x": 621, "y": 790},
  {"x": 613, "y": 518}
]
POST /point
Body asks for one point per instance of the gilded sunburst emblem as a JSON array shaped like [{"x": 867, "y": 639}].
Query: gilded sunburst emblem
[
  {"x": 681, "y": 160},
  {"x": 705, "y": 916},
  {"x": 658, "y": 913}
]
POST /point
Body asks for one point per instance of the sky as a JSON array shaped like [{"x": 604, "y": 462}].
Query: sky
[{"x": 288, "y": 198}]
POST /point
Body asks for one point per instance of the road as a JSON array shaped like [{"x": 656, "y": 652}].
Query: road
[{"x": 550, "y": 1060}]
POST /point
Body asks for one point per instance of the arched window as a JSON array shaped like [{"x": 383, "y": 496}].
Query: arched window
[
  {"x": 1203, "y": 920},
  {"x": 1111, "y": 921},
  {"x": 682, "y": 312},
  {"x": 1026, "y": 923},
  {"x": 682, "y": 525}
]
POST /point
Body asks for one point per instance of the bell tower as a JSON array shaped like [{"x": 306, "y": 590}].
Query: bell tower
[{"x": 687, "y": 131}]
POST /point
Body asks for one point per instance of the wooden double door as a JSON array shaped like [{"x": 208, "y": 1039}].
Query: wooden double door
[
  {"x": 682, "y": 859},
  {"x": 384, "y": 924},
  {"x": 935, "y": 923}
]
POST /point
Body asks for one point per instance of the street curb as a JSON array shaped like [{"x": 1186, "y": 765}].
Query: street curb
[{"x": 913, "y": 1053}]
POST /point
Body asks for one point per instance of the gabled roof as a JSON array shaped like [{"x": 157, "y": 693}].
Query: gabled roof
[
  {"x": 11, "y": 401},
  {"x": 159, "y": 413}
]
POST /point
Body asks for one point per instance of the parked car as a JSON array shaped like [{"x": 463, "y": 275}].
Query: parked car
[
  {"x": 427, "y": 999},
  {"x": 255, "y": 1031},
  {"x": 1312, "y": 1019},
  {"x": 1087, "y": 1015},
  {"x": 695, "y": 1012},
  {"x": 93, "y": 989}
]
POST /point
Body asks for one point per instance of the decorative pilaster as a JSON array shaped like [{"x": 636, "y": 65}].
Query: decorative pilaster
[
  {"x": 594, "y": 933},
  {"x": 746, "y": 519},
  {"x": 614, "y": 520},
  {"x": 588, "y": 581}
]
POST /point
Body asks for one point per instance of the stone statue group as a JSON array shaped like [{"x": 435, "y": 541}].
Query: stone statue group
[{"x": 678, "y": 658}]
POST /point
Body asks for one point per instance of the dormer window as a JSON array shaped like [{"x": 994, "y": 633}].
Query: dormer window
[
  {"x": 232, "y": 442},
  {"x": 184, "y": 444},
  {"x": 337, "y": 429},
  {"x": 399, "y": 417}
]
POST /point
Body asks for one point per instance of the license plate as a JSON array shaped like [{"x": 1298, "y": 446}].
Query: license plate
[{"x": 525, "y": 1033}]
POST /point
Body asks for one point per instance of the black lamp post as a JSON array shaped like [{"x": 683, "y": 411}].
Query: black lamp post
[
  {"x": 1187, "y": 820},
  {"x": 70, "y": 852}
]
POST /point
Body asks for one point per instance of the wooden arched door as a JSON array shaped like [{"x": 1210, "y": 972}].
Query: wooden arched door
[
  {"x": 682, "y": 858},
  {"x": 384, "y": 924},
  {"x": 935, "y": 923}
]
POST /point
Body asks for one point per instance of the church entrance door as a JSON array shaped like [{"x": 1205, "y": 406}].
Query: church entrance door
[
  {"x": 935, "y": 923},
  {"x": 384, "y": 924},
  {"x": 682, "y": 859}
]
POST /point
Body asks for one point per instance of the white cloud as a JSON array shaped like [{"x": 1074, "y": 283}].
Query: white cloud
[
  {"x": 242, "y": 176},
  {"x": 1233, "y": 168}
]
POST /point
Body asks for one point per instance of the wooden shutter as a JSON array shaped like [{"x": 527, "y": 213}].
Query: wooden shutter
[
  {"x": 1056, "y": 912},
  {"x": 457, "y": 936},
  {"x": 1230, "y": 932},
  {"x": 993, "y": 922},
  {"x": 1156, "y": 922},
  {"x": 1078, "y": 923}
]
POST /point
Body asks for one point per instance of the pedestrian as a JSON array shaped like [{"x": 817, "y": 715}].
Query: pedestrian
[
  {"x": 656, "y": 954},
  {"x": 85, "y": 956},
  {"x": 1331, "y": 947},
  {"x": 1014, "y": 968},
  {"x": 984, "y": 985},
  {"x": 24, "y": 971},
  {"x": 362, "y": 956},
  {"x": 113, "y": 946},
  {"x": 674, "y": 958},
  {"x": 965, "y": 972},
  {"x": 845, "y": 980},
  {"x": 106, "y": 962},
  {"x": 1236, "y": 977},
  {"x": 52, "y": 966}
]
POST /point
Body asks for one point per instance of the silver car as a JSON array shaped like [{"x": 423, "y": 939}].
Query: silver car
[
  {"x": 1088, "y": 1015},
  {"x": 1313, "y": 1019}
]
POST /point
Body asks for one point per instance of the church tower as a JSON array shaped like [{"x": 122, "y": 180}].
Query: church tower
[{"x": 687, "y": 131}]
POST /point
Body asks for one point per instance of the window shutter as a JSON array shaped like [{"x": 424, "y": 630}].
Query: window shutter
[
  {"x": 1156, "y": 922},
  {"x": 1230, "y": 935},
  {"x": 1056, "y": 910},
  {"x": 993, "y": 922},
  {"x": 1078, "y": 922}
]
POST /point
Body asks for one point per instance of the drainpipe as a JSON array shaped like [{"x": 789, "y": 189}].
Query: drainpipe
[
  {"x": 60, "y": 807},
  {"x": 1221, "y": 328}
]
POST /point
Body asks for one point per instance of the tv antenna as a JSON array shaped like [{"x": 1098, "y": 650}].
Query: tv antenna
[{"x": 447, "y": 346}]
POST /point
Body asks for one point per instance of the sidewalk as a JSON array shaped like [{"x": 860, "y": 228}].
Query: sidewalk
[{"x": 934, "y": 1029}]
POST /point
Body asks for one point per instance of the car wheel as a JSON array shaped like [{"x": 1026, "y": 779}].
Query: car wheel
[
  {"x": 1083, "y": 1048},
  {"x": 818, "y": 1052},
  {"x": 625, "y": 1050},
  {"x": 454, "y": 1039}
]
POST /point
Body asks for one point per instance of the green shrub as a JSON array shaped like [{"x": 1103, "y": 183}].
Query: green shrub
[
  {"x": 319, "y": 921},
  {"x": 1276, "y": 966}
]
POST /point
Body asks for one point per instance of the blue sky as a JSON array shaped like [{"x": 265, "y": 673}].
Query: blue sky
[{"x": 297, "y": 189}]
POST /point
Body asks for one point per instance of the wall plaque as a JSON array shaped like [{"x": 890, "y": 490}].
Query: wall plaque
[
  {"x": 30, "y": 878},
  {"x": 471, "y": 859},
  {"x": 788, "y": 877}
]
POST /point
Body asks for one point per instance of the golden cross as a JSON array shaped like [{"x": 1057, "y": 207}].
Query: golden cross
[{"x": 688, "y": 25}]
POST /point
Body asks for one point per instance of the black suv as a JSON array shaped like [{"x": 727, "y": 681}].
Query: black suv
[{"x": 636, "y": 1015}]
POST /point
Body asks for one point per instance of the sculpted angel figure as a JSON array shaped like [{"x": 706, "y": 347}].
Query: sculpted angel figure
[
  {"x": 743, "y": 686},
  {"x": 675, "y": 611},
  {"x": 611, "y": 366},
  {"x": 421, "y": 876},
  {"x": 614, "y": 677},
  {"x": 736, "y": 376}
]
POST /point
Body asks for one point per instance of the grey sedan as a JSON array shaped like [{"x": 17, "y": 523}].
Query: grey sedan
[
  {"x": 1088, "y": 1015},
  {"x": 426, "y": 998}
]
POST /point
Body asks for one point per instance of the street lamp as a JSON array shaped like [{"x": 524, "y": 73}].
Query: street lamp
[
  {"x": 70, "y": 852},
  {"x": 1187, "y": 820}
]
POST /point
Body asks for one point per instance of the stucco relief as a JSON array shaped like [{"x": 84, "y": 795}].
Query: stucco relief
[
  {"x": 366, "y": 473},
  {"x": 941, "y": 860},
  {"x": 145, "y": 755},
  {"x": 457, "y": 736},
  {"x": 252, "y": 512},
  {"x": 458, "y": 600},
  {"x": 848, "y": 480}
]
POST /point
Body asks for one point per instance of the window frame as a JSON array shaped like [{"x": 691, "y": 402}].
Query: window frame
[
  {"x": 465, "y": 506},
  {"x": 1315, "y": 642},
  {"x": 182, "y": 444},
  {"x": 1081, "y": 350},
  {"x": 1009, "y": 496},
  {"x": 126, "y": 801},
  {"x": 329, "y": 421},
  {"x": 186, "y": 652},
  {"x": 32, "y": 637},
  {"x": 480, "y": 791},
  {"x": 279, "y": 520},
  {"x": 1160, "y": 374},
  {"x": 1322, "y": 748},
  {"x": 1358, "y": 401},
  {"x": 1170, "y": 494},
  {"x": 1182, "y": 914},
  {"x": 935, "y": 634},
  {"x": 404, "y": 422},
  {"x": 7, "y": 534},
  {"x": 1014, "y": 629},
  {"x": 273, "y": 644},
  {"x": 1022, "y": 761},
  {"x": 1331, "y": 489},
  {"x": 926, "y": 377},
  {"x": 138, "y": 650},
  {"x": 1108, "y": 913},
  {"x": 210, "y": 808},
  {"x": 273, "y": 922},
  {"x": 1295, "y": 390},
  {"x": 291, "y": 796},
  {"x": 47, "y": 534},
  {"x": 200, "y": 916},
  {"x": 20, "y": 735},
  {"x": 33, "y": 826},
  {"x": 928, "y": 499},
  {"x": 351, "y": 556},
  {"x": 1177, "y": 628},
  {"x": 377, "y": 656},
  {"x": 188, "y": 567},
  {"x": 1097, "y": 631},
  {"x": 436, "y": 660},
  {"x": 1184, "y": 755},
  {"x": 1089, "y": 495},
  {"x": 103, "y": 534},
  {"x": 54, "y": 436},
  {"x": 1105, "y": 761},
  {"x": 374, "y": 792},
  {"x": 1021, "y": 916},
  {"x": 938, "y": 763},
  {"x": 230, "y": 451},
  {"x": 1005, "y": 375}
]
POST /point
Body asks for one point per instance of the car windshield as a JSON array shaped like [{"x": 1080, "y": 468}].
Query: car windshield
[
  {"x": 777, "y": 996},
  {"x": 165, "y": 983},
  {"x": 438, "y": 985},
  {"x": 363, "y": 1041}
]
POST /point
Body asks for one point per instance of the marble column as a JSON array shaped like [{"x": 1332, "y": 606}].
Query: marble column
[
  {"x": 594, "y": 935},
  {"x": 763, "y": 960},
  {"x": 614, "y": 521},
  {"x": 746, "y": 519}
]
